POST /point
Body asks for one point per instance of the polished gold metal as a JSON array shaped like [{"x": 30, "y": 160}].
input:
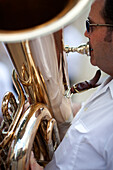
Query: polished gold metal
[
  {"x": 82, "y": 49},
  {"x": 20, "y": 22},
  {"x": 33, "y": 41},
  {"x": 75, "y": 88}
]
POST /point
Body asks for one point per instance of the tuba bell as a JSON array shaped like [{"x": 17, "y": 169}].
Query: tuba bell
[{"x": 31, "y": 32}]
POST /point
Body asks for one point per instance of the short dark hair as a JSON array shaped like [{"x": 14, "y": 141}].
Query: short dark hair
[
  {"x": 107, "y": 14},
  {"x": 107, "y": 11}
]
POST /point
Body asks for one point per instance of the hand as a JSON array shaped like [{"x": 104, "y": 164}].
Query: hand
[
  {"x": 33, "y": 164},
  {"x": 75, "y": 108}
]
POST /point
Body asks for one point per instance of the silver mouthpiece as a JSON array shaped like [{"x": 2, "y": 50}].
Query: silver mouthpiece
[{"x": 82, "y": 49}]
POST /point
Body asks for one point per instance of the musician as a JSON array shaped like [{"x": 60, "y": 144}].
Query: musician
[{"x": 88, "y": 144}]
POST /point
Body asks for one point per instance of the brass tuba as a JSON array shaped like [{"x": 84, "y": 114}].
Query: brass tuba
[{"x": 31, "y": 31}]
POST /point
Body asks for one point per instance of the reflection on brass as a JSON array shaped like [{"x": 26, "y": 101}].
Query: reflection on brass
[
  {"x": 17, "y": 114},
  {"x": 32, "y": 80},
  {"x": 31, "y": 36},
  {"x": 82, "y": 49},
  {"x": 9, "y": 107}
]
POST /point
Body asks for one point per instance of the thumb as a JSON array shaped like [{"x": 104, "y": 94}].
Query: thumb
[{"x": 33, "y": 164}]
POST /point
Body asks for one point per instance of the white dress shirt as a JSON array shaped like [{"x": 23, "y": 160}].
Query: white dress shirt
[{"x": 88, "y": 144}]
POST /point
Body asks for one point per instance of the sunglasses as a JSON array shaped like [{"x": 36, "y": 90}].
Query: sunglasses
[{"x": 88, "y": 25}]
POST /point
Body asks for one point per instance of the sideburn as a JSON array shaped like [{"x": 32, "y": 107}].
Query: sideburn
[{"x": 108, "y": 37}]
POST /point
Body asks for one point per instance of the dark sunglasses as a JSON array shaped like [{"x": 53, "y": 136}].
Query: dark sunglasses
[{"x": 88, "y": 25}]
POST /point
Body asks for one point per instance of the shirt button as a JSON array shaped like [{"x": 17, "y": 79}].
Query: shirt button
[
  {"x": 85, "y": 109},
  {"x": 66, "y": 135}
]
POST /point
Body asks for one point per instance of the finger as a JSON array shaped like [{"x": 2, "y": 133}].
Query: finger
[{"x": 33, "y": 163}]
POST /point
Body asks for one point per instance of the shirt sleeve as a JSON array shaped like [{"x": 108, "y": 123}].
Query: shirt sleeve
[
  {"x": 109, "y": 153},
  {"x": 51, "y": 165}
]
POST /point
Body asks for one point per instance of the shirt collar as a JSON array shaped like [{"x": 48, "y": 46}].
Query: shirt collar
[
  {"x": 108, "y": 84},
  {"x": 111, "y": 87}
]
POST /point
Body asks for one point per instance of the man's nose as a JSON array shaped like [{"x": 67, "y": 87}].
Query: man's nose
[{"x": 86, "y": 34}]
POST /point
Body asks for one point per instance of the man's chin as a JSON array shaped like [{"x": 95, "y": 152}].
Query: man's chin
[{"x": 92, "y": 62}]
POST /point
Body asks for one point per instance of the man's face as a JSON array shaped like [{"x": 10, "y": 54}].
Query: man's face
[{"x": 100, "y": 39}]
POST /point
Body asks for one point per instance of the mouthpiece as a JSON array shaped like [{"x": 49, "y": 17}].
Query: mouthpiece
[{"x": 82, "y": 49}]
